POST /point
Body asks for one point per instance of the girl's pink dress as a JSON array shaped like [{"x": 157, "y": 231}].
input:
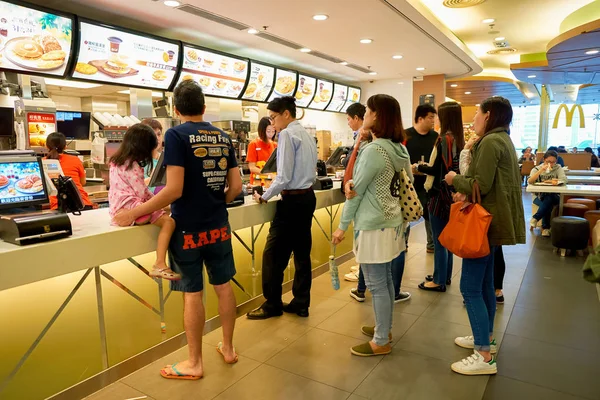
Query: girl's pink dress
[{"x": 128, "y": 190}]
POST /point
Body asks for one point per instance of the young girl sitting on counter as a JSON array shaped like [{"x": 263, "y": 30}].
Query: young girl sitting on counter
[{"x": 127, "y": 190}]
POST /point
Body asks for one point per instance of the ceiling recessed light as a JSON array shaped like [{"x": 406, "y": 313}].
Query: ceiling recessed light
[
  {"x": 400, "y": 83},
  {"x": 488, "y": 20},
  {"x": 172, "y": 3},
  {"x": 252, "y": 31},
  {"x": 397, "y": 57},
  {"x": 320, "y": 17},
  {"x": 344, "y": 63},
  {"x": 421, "y": 69},
  {"x": 373, "y": 73},
  {"x": 499, "y": 38},
  {"x": 366, "y": 41},
  {"x": 531, "y": 76},
  {"x": 305, "y": 50},
  {"x": 454, "y": 85},
  {"x": 467, "y": 92},
  {"x": 592, "y": 52}
]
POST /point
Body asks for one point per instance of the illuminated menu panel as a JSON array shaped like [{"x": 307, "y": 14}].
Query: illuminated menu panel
[
  {"x": 218, "y": 74},
  {"x": 323, "y": 94},
  {"x": 285, "y": 83},
  {"x": 306, "y": 90},
  {"x": 260, "y": 82},
  {"x": 114, "y": 56},
  {"x": 340, "y": 95},
  {"x": 34, "y": 41},
  {"x": 353, "y": 97}
]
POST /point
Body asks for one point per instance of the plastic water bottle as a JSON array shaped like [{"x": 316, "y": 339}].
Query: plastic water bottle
[{"x": 333, "y": 270}]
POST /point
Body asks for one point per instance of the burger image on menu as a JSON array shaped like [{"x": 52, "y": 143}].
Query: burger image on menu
[
  {"x": 117, "y": 65},
  {"x": 208, "y": 62}
]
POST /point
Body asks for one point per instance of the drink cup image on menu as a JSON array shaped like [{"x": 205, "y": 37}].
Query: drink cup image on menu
[{"x": 115, "y": 43}]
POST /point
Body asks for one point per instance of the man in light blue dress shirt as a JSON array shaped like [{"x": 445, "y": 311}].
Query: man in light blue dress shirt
[{"x": 290, "y": 230}]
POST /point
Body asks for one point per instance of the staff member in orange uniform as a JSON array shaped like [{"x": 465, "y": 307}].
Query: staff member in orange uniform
[
  {"x": 71, "y": 166},
  {"x": 260, "y": 149}
]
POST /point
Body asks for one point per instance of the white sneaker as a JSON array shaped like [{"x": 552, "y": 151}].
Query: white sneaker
[
  {"x": 533, "y": 223},
  {"x": 546, "y": 232},
  {"x": 354, "y": 268},
  {"x": 351, "y": 277},
  {"x": 468, "y": 342},
  {"x": 474, "y": 365}
]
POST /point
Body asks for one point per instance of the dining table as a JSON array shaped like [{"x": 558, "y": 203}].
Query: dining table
[{"x": 564, "y": 190}]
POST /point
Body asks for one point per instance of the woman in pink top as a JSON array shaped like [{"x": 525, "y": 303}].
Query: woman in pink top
[{"x": 128, "y": 190}]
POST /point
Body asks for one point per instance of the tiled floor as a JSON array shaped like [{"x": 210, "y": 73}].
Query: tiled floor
[{"x": 548, "y": 330}]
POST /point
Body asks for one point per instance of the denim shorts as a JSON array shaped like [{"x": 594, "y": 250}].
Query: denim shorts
[{"x": 190, "y": 251}]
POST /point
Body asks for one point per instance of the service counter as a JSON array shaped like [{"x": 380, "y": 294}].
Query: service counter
[{"x": 78, "y": 307}]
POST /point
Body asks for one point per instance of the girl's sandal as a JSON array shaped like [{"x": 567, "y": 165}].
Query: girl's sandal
[{"x": 165, "y": 273}]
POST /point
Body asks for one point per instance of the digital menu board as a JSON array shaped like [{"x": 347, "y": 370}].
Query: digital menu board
[
  {"x": 353, "y": 97},
  {"x": 34, "y": 41},
  {"x": 285, "y": 83},
  {"x": 306, "y": 90},
  {"x": 340, "y": 94},
  {"x": 218, "y": 74},
  {"x": 260, "y": 82},
  {"x": 114, "y": 56},
  {"x": 323, "y": 93}
]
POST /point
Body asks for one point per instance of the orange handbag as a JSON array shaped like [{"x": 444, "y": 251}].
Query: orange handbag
[{"x": 466, "y": 232}]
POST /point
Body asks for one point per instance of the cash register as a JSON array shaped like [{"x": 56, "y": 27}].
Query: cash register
[
  {"x": 23, "y": 189},
  {"x": 322, "y": 182}
]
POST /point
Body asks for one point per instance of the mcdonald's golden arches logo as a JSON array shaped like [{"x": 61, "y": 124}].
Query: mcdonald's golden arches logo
[{"x": 569, "y": 114}]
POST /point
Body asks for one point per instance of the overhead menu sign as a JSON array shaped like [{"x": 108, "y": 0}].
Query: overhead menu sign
[
  {"x": 34, "y": 41},
  {"x": 353, "y": 97},
  {"x": 340, "y": 94},
  {"x": 260, "y": 82},
  {"x": 285, "y": 83},
  {"x": 218, "y": 74},
  {"x": 306, "y": 90},
  {"x": 114, "y": 56},
  {"x": 323, "y": 94}
]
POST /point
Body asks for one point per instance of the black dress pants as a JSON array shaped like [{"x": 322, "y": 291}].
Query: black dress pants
[{"x": 290, "y": 232}]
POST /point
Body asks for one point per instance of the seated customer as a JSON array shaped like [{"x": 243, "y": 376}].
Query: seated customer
[
  {"x": 548, "y": 172},
  {"x": 527, "y": 155},
  {"x": 559, "y": 160},
  {"x": 71, "y": 166},
  {"x": 595, "y": 162}
]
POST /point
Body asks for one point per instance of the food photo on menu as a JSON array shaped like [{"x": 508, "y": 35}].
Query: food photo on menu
[
  {"x": 284, "y": 84},
  {"x": 340, "y": 93},
  {"x": 260, "y": 82},
  {"x": 323, "y": 95},
  {"x": 113, "y": 56},
  {"x": 32, "y": 40},
  {"x": 306, "y": 89},
  {"x": 20, "y": 182},
  {"x": 217, "y": 74}
]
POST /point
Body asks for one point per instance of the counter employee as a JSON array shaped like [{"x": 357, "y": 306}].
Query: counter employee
[
  {"x": 70, "y": 165},
  {"x": 291, "y": 227},
  {"x": 260, "y": 149}
]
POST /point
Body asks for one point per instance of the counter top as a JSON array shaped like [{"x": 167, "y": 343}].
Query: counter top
[{"x": 93, "y": 236}]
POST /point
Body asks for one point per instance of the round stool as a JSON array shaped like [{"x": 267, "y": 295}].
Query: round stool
[
  {"x": 590, "y": 204},
  {"x": 570, "y": 233},
  {"x": 592, "y": 217},
  {"x": 574, "y": 210}
]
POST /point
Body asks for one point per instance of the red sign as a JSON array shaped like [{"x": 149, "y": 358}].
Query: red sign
[{"x": 43, "y": 118}]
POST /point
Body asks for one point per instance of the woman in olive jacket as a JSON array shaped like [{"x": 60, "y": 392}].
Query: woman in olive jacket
[{"x": 494, "y": 166}]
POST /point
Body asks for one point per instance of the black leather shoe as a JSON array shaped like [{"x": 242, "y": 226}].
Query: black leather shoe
[
  {"x": 292, "y": 309},
  {"x": 429, "y": 278},
  {"x": 263, "y": 313},
  {"x": 440, "y": 288}
]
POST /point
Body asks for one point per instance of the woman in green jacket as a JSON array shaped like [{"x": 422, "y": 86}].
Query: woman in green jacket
[{"x": 494, "y": 166}]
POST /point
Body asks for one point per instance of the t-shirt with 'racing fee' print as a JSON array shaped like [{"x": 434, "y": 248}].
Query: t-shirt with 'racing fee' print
[{"x": 207, "y": 154}]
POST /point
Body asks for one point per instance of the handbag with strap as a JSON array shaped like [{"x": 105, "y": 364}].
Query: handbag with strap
[
  {"x": 402, "y": 187},
  {"x": 466, "y": 232}
]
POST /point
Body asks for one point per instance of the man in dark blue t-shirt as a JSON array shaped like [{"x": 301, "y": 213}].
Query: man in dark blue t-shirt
[{"x": 202, "y": 177}]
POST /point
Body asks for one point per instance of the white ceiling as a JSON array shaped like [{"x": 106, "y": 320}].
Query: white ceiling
[
  {"x": 528, "y": 25},
  {"x": 394, "y": 25}
]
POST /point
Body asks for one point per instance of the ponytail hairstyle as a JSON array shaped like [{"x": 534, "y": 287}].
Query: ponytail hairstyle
[
  {"x": 56, "y": 143},
  {"x": 138, "y": 144}
]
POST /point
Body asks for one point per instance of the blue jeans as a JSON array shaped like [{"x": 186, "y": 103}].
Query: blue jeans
[
  {"x": 397, "y": 272},
  {"x": 379, "y": 281},
  {"x": 443, "y": 259},
  {"x": 546, "y": 205},
  {"x": 477, "y": 288}
]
